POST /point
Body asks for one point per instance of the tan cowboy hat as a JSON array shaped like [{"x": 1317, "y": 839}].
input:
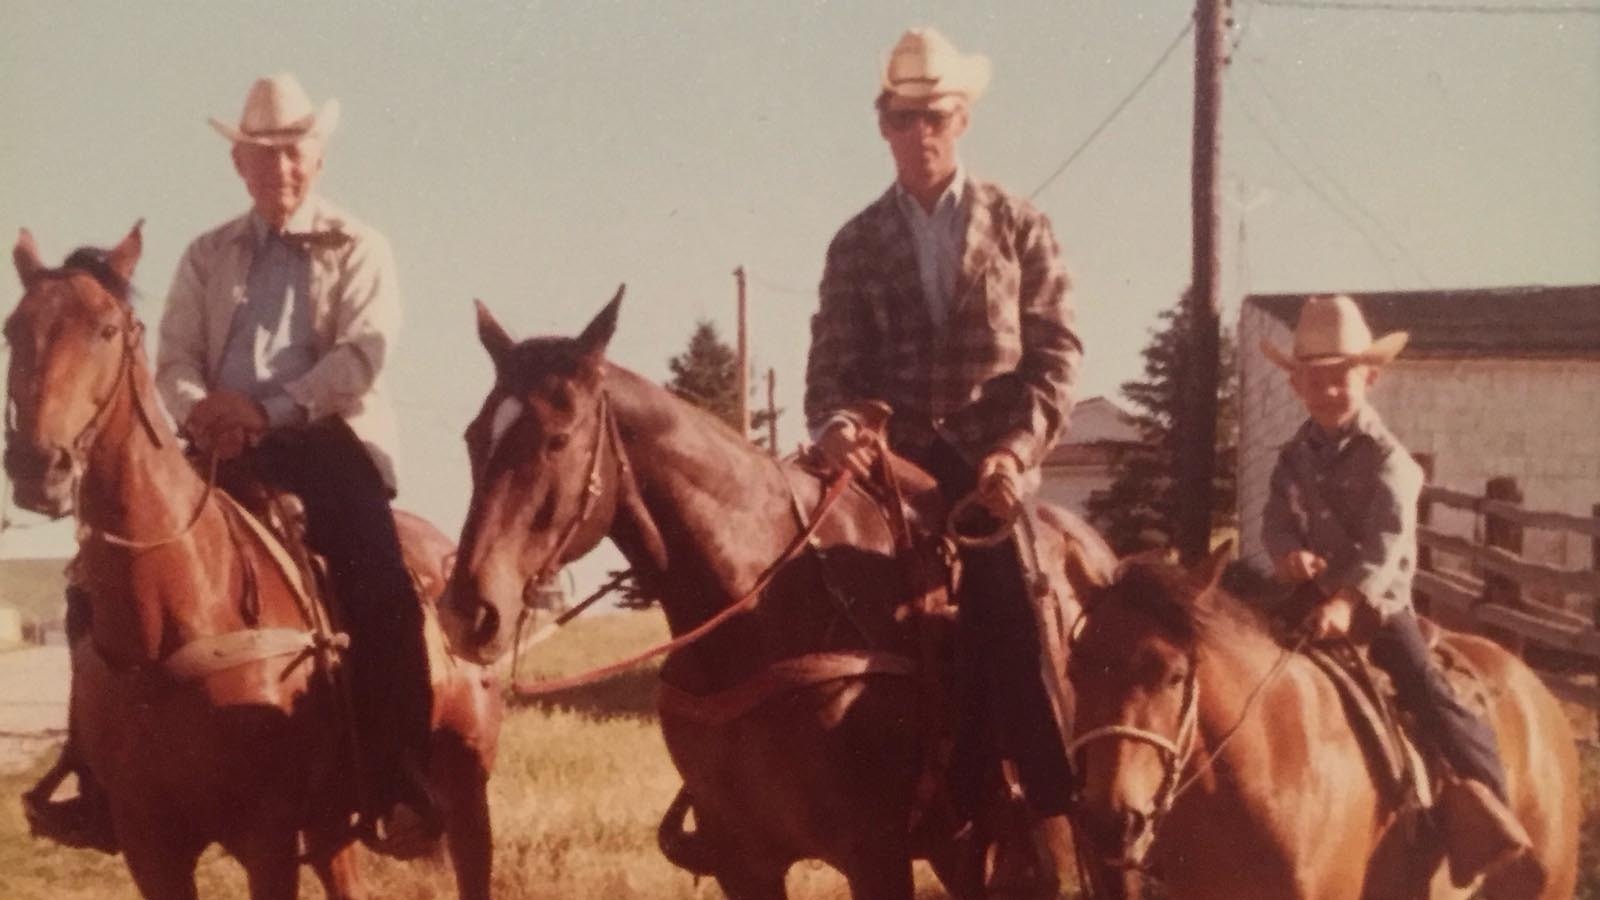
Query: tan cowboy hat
[
  {"x": 924, "y": 70},
  {"x": 278, "y": 112},
  {"x": 1332, "y": 330}
]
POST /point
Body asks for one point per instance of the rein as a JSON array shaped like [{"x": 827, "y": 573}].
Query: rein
[{"x": 835, "y": 489}]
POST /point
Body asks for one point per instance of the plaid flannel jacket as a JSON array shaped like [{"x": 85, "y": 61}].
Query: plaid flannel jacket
[{"x": 998, "y": 375}]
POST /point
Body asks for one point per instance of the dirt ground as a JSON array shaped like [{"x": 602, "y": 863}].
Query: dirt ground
[{"x": 33, "y": 704}]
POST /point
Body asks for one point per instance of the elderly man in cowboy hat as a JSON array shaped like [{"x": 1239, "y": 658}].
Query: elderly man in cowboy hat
[
  {"x": 273, "y": 343},
  {"x": 947, "y": 300},
  {"x": 1341, "y": 524}
]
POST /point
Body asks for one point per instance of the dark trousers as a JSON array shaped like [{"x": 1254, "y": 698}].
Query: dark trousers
[
  {"x": 349, "y": 522},
  {"x": 1462, "y": 737},
  {"x": 1001, "y": 702}
]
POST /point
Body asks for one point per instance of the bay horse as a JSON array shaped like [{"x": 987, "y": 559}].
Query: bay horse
[
  {"x": 200, "y": 700},
  {"x": 794, "y": 722},
  {"x": 1222, "y": 761}
]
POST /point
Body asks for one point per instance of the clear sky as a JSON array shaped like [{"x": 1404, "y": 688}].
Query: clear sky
[{"x": 536, "y": 154}]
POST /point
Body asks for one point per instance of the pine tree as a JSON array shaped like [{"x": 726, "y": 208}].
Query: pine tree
[
  {"x": 1139, "y": 511},
  {"x": 707, "y": 375}
]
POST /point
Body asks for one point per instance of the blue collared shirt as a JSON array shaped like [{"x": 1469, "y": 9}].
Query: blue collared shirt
[
  {"x": 270, "y": 339},
  {"x": 1350, "y": 498},
  {"x": 938, "y": 237}
]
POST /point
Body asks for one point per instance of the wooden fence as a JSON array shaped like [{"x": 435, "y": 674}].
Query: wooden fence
[{"x": 1547, "y": 614}]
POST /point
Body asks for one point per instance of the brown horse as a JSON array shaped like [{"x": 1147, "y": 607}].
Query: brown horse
[
  {"x": 199, "y": 698},
  {"x": 794, "y": 723},
  {"x": 1223, "y": 763}
]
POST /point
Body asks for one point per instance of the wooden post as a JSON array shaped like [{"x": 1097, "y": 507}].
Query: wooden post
[
  {"x": 1506, "y": 535},
  {"x": 1196, "y": 424},
  {"x": 1424, "y": 517},
  {"x": 772, "y": 411},
  {"x": 743, "y": 354}
]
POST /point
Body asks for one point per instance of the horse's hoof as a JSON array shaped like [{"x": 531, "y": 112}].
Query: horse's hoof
[{"x": 403, "y": 833}]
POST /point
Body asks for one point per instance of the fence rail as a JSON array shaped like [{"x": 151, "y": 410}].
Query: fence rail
[{"x": 1492, "y": 591}]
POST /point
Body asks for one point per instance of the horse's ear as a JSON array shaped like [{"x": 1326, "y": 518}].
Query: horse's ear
[
  {"x": 125, "y": 255},
  {"x": 491, "y": 335},
  {"x": 597, "y": 334},
  {"x": 1208, "y": 571},
  {"x": 26, "y": 256},
  {"x": 1087, "y": 576}
]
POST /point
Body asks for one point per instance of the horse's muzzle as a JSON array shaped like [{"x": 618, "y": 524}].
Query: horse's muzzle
[
  {"x": 471, "y": 627},
  {"x": 44, "y": 480}
]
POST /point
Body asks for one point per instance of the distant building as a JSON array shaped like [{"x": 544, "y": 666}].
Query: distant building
[
  {"x": 1494, "y": 382},
  {"x": 33, "y": 588},
  {"x": 1080, "y": 465}
]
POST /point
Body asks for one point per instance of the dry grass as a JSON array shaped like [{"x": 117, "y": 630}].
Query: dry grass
[
  {"x": 576, "y": 795},
  {"x": 577, "y": 791}
]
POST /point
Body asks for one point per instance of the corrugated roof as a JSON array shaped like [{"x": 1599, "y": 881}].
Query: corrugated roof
[{"x": 1512, "y": 321}]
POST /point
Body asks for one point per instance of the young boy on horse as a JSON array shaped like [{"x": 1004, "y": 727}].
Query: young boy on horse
[
  {"x": 272, "y": 343},
  {"x": 947, "y": 300},
  {"x": 1341, "y": 524}
]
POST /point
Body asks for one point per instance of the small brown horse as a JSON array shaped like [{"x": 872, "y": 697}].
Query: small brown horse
[
  {"x": 809, "y": 746},
  {"x": 248, "y": 755},
  {"x": 1224, "y": 763}
]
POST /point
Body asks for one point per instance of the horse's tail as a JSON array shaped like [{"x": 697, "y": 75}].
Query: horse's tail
[{"x": 688, "y": 850}]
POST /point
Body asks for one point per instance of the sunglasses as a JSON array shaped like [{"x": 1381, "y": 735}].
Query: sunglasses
[{"x": 906, "y": 119}]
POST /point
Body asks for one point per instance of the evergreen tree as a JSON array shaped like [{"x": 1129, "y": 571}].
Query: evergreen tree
[
  {"x": 1139, "y": 511},
  {"x": 707, "y": 375}
]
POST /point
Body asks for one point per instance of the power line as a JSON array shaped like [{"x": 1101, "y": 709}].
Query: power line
[
  {"x": 1482, "y": 9},
  {"x": 1320, "y": 194},
  {"x": 773, "y": 285},
  {"x": 1077, "y": 151},
  {"x": 1327, "y": 176}
]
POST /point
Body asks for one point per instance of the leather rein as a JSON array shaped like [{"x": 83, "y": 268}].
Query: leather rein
[{"x": 607, "y": 436}]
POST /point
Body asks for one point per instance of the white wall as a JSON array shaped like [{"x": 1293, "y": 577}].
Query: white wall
[{"x": 1535, "y": 420}]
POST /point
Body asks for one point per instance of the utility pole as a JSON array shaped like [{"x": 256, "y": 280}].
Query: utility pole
[
  {"x": 772, "y": 411},
  {"x": 1197, "y": 421},
  {"x": 743, "y": 354}
]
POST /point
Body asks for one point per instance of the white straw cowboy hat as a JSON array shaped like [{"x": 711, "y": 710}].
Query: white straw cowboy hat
[
  {"x": 277, "y": 112},
  {"x": 925, "y": 70},
  {"x": 1332, "y": 330}
]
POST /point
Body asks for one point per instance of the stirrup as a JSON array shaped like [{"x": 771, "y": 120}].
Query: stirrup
[{"x": 75, "y": 822}]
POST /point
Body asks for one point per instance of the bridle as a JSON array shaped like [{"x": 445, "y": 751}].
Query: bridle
[
  {"x": 1177, "y": 750},
  {"x": 132, "y": 331}
]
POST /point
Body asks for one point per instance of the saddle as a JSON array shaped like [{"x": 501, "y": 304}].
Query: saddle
[{"x": 1405, "y": 763}]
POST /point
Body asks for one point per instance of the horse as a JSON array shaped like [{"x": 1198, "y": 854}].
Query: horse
[
  {"x": 1221, "y": 760},
  {"x": 202, "y": 699},
  {"x": 790, "y": 700}
]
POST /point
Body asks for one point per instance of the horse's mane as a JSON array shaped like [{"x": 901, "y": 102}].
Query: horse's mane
[
  {"x": 1235, "y": 608},
  {"x": 654, "y": 408},
  {"x": 94, "y": 262}
]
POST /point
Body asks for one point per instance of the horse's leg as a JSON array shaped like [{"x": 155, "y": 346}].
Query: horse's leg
[
  {"x": 958, "y": 862},
  {"x": 748, "y": 884},
  {"x": 270, "y": 857},
  {"x": 881, "y": 870},
  {"x": 339, "y": 870},
  {"x": 462, "y": 785},
  {"x": 162, "y": 872}
]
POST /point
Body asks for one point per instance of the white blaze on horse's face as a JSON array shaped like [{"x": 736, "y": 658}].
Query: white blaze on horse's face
[{"x": 505, "y": 415}]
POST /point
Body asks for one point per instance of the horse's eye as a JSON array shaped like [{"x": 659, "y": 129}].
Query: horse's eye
[
  {"x": 1177, "y": 678},
  {"x": 557, "y": 443},
  {"x": 107, "y": 332}
]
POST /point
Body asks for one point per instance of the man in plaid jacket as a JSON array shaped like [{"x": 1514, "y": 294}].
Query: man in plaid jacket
[{"x": 946, "y": 299}]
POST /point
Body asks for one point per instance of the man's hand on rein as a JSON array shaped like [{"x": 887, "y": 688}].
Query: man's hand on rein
[
  {"x": 225, "y": 423},
  {"x": 845, "y": 445},
  {"x": 1000, "y": 484}
]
